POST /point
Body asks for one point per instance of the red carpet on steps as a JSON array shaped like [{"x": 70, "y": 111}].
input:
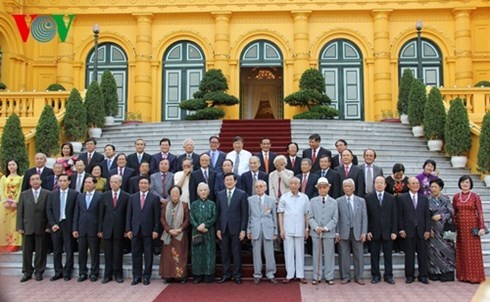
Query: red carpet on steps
[{"x": 246, "y": 292}]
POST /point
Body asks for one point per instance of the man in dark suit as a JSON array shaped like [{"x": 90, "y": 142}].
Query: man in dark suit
[
  {"x": 122, "y": 170},
  {"x": 219, "y": 184},
  {"x": 203, "y": 174},
  {"x": 415, "y": 229},
  {"x": 163, "y": 154},
  {"x": 341, "y": 145},
  {"x": 91, "y": 156},
  {"x": 371, "y": 171},
  {"x": 77, "y": 179},
  {"x": 189, "y": 153},
  {"x": 112, "y": 224},
  {"x": 382, "y": 229},
  {"x": 331, "y": 175},
  {"x": 32, "y": 223},
  {"x": 144, "y": 170},
  {"x": 60, "y": 210},
  {"x": 142, "y": 225},
  {"x": 293, "y": 161},
  {"x": 266, "y": 166},
  {"x": 85, "y": 228},
  {"x": 135, "y": 159},
  {"x": 249, "y": 178},
  {"x": 52, "y": 181},
  {"x": 315, "y": 151},
  {"x": 349, "y": 170},
  {"x": 39, "y": 168},
  {"x": 217, "y": 156},
  {"x": 109, "y": 162},
  {"x": 231, "y": 226},
  {"x": 308, "y": 179}
]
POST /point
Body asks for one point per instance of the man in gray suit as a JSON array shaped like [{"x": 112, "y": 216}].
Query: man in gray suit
[
  {"x": 162, "y": 180},
  {"x": 323, "y": 217},
  {"x": 351, "y": 230},
  {"x": 262, "y": 230},
  {"x": 371, "y": 171}
]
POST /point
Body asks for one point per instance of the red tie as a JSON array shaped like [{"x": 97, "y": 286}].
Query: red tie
[
  {"x": 346, "y": 170},
  {"x": 89, "y": 158},
  {"x": 142, "y": 200},
  {"x": 292, "y": 163},
  {"x": 303, "y": 185},
  {"x": 39, "y": 171},
  {"x": 164, "y": 178},
  {"x": 120, "y": 171},
  {"x": 279, "y": 188},
  {"x": 313, "y": 157},
  {"x": 114, "y": 199}
]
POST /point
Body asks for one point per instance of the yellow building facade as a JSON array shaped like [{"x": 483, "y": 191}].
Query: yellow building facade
[{"x": 158, "y": 50}]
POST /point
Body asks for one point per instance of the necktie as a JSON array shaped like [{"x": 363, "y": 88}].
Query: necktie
[
  {"x": 253, "y": 183},
  {"x": 369, "y": 179},
  {"x": 206, "y": 176},
  {"x": 87, "y": 199},
  {"x": 229, "y": 198},
  {"x": 351, "y": 211},
  {"x": 164, "y": 180},
  {"x": 79, "y": 183},
  {"x": 292, "y": 163},
  {"x": 346, "y": 170},
  {"x": 114, "y": 199},
  {"x": 279, "y": 187},
  {"x": 323, "y": 200},
  {"x": 341, "y": 162},
  {"x": 266, "y": 162},
  {"x": 189, "y": 156},
  {"x": 89, "y": 158},
  {"x": 164, "y": 156},
  {"x": 120, "y": 171},
  {"x": 414, "y": 200},
  {"x": 108, "y": 164},
  {"x": 142, "y": 200},
  {"x": 213, "y": 158},
  {"x": 380, "y": 198},
  {"x": 39, "y": 171},
  {"x": 36, "y": 195},
  {"x": 55, "y": 183},
  {"x": 313, "y": 157},
  {"x": 62, "y": 205},
  {"x": 139, "y": 158},
  {"x": 323, "y": 173},
  {"x": 237, "y": 163},
  {"x": 261, "y": 202},
  {"x": 303, "y": 184}
]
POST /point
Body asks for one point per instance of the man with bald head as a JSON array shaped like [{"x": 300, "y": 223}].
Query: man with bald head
[{"x": 41, "y": 169}]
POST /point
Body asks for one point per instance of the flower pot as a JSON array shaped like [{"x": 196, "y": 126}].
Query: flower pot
[
  {"x": 404, "y": 119},
  {"x": 459, "y": 161},
  {"x": 50, "y": 161},
  {"x": 418, "y": 131},
  {"x": 434, "y": 144},
  {"x": 77, "y": 146},
  {"x": 95, "y": 132},
  {"x": 109, "y": 121},
  {"x": 486, "y": 179}
]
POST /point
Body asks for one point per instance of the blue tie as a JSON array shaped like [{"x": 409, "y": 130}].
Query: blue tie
[{"x": 87, "y": 199}]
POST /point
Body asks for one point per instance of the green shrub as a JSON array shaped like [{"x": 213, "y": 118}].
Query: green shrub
[
  {"x": 405, "y": 83},
  {"x": 434, "y": 115},
  {"x": 94, "y": 106},
  {"x": 193, "y": 104},
  {"x": 483, "y": 84},
  {"x": 318, "y": 112},
  {"x": 416, "y": 102},
  {"x": 3, "y": 86},
  {"x": 75, "y": 123},
  {"x": 209, "y": 113},
  {"x": 457, "y": 130},
  {"x": 483, "y": 161},
  {"x": 311, "y": 91},
  {"x": 13, "y": 144},
  {"x": 55, "y": 87},
  {"x": 108, "y": 86},
  {"x": 47, "y": 133}
]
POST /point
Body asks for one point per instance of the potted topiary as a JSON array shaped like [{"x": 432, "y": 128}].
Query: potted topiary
[
  {"x": 402, "y": 105},
  {"x": 132, "y": 118},
  {"x": 457, "y": 133},
  {"x": 75, "y": 122},
  {"x": 483, "y": 161},
  {"x": 434, "y": 120},
  {"x": 55, "y": 87},
  {"x": 108, "y": 87},
  {"x": 416, "y": 102},
  {"x": 483, "y": 84},
  {"x": 48, "y": 135},
  {"x": 13, "y": 144},
  {"x": 94, "y": 107}
]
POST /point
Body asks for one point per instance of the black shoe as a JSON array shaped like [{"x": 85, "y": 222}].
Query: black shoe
[
  {"x": 106, "y": 280},
  {"x": 146, "y": 282},
  {"x": 208, "y": 278},
  {"x": 424, "y": 280},
  {"x": 26, "y": 278},
  {"x": 224, "y": 279},
  {"x": 93, "y": 278},
  {"x": 375, "y": 280},
  {"x": 197, "y": 279},
  {"x": 67, "y": 278},
  {"x": 390, "y": 280},
  {"x": 238, "y": 281},
  {"x": 39, "y": 277},
  {"x": 256, "y": 280},
  {"x": 119, "y": 279},
  {"x": 136, "y": 281},
  {"x": 82, "y": 278},
  {"x": 56, "y": 277},
  {"x": 409, "y": 280}
]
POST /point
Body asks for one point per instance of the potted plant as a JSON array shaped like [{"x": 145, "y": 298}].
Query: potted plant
[
  {"x": 13, "y": 144},
  {"x": 108, "y": 87},
  {"x": 457, "y": 133},
  {"x": 75, "y": 122},
  {"x": 48, "y": 135},
  {"x": 483, "y": 158},
  {"x": 434, "y": 120},
  {"x": 132, "y": 118},
  {"x": 416, "y": 102},
  {"x": 211, "y": 93},
  {"x": 402, "y": 105},
  {"x": 55, "y": 87},
  {"x": 95, "y": 109}
]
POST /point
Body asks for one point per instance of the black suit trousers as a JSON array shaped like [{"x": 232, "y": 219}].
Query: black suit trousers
[
  {"x": 419, "y": 245},
  {"x": 113, "y": 257},
  {"x": 34, "y": 243},
  {"x": 62, "y": 239},
  {"x": 84, "y": 244},
  {"x": 142, "y": 246},
  {"x": 231, "y": 247},
  {"x": 375, "y": 248}
]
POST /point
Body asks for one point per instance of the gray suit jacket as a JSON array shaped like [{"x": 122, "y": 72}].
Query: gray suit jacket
[
  {"x": 262, "y": 218},
  {"x": 359, "y": 221},
  {"x": 157, "y": 185},
  {"x": 377, "y": 171},
  {"x": 323, "y": 215},
  {"x": 31, "y": 216}
]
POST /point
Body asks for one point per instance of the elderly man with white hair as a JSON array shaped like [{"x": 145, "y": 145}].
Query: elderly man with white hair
[
  {"x": 188, "y": 145},
  {"x": 279, "y": 178}
]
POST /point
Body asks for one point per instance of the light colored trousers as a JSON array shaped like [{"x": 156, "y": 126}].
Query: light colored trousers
[
  {"x": 328, "y": 246},
  {"x": 294, "y": 254},
  {"x": 270, "y": 262},
  {"x": 357, "y": 254}
]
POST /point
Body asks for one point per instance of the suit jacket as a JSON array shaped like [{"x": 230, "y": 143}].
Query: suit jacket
[
  {"x": 198, "y": 177},
  {"x": 382, "y": 219},
  {"x": 414, "y": 221},
  {"x": 31, "y": 216},
  {"x": 143, "y": 222},
  {"x": 157, "y": 185},
  {"x": 335, "y": 160},
  {"x": 219, "y": 161},
  {"x": 271, "y": 157},
  {"x": 357, "y": 175},
  {"x": 45, "y": 175},
  {"x": 106, "y": 171},
  {"x": 195, "y": 161},
  {"x": 157, "y": 157},
  {"x": 262, "y": 218},
  {"x": 49, "y": 185},
  {"x": 127, "y": 174},
  {"x": 134, "y": 185},
  {"x": 307, "y": 153},
  {"x": 73, "y": 183},
  {"x": 96, "y": 158},
  {"x": 377, "y": 171},
  {"x": 133, "y": 160},
  {"x": 53, "y": 208},
  {"x": 232, "y": 218},
  {"x": 323, "y": 215},
  {"x": 334, "y": 181},
  {"x": 360, "y": 220},
  {"x": 274, "y": 185},
  {"x": 86, "y": 220},
  {"x": 219, "y": 184},
  {"x": 297, "y": 165},
  {"x": 112, "y": 221},
  {"x": 310, "y": 191},
  {"x": 247, "y": 182}
]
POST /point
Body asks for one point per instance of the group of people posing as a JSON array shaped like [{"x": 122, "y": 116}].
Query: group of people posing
[{"x": 163, "y": 203}]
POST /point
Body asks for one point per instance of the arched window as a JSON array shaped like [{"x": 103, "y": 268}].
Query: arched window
[{"x": 431, "y": 61}]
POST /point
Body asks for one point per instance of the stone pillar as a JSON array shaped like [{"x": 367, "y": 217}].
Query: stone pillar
[
  {"x": 222, "y": 42},
  {"x": 463, "y": 52},
  {"x": 382, "y": 75},
  {"x": 64, "y": 66},
  {"x": 301, "y": 55},
  {"x": 142, "y": 79}
]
